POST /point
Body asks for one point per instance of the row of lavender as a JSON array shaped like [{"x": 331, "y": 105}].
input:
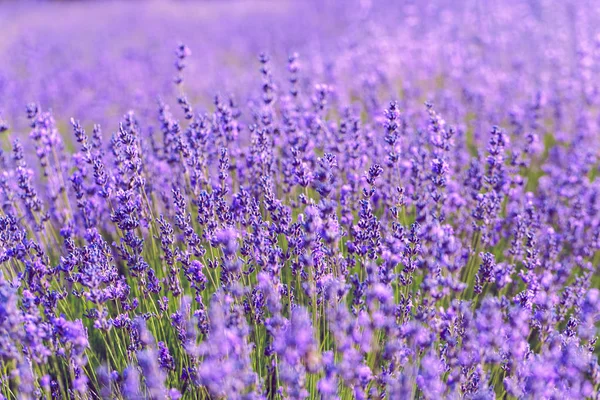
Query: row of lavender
[{"x": 402, "y": 210}]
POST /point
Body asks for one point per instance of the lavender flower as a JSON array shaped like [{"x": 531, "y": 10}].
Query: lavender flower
[{"x": 300, "y": 227}]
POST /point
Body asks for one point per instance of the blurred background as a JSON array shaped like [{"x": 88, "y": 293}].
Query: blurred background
[{"x": 95, "y": 60}]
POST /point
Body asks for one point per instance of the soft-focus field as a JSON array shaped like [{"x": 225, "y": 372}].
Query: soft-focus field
[{"x": 300, "y": 199}]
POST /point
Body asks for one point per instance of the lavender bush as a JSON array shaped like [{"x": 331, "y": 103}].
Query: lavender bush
[{"x": 324, "y": 200}]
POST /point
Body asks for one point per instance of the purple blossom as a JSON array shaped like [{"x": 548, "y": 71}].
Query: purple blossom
[{"x": 287, "y": 219}]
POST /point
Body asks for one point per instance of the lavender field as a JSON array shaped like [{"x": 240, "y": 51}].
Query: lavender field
[{"x": 316, "y": 199}]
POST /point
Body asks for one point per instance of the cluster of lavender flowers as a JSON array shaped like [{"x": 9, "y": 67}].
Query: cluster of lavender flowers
[{"x": 363, "y": 226}]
